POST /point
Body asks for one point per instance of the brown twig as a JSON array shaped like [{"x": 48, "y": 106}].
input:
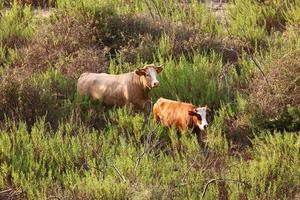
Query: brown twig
[
  {"x": 190, "y": 167},
  {"x": 5, "y": 191},
  {"x": 147, "y": 150},
  {"x": 54, "y": 197},
  {"x": 156, "y": 8},
  {"x": 221, "y": 180},
  {"x": 15, "y": 193},
  {"x": 259, "y": 67},
  {"x": 119, "y": 173},
  {"x": 149, "y": 8},
  {"x": 223, "y": 74}
]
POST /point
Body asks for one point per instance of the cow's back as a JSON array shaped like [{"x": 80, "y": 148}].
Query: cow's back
[
  {"x": 112, "y": 89},
  {"x": 96, "y": 85},
  {"x": 172, "y": 113}
]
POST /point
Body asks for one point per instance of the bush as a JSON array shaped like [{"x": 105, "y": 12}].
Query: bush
[
  {"x": 271, "y": 174},
  {"x": 282, "y": 90},
  {"x": 15, "y": 31},
  {"x": 28, "y": 97},
  {"x": 67, "y": 45},
  {"x": 201, "y": 88},
  {"x": 254, "y": 21},
  {"x": 136, "y": 37}
]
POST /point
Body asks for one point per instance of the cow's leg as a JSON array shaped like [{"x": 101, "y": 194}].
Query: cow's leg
[
  {"x": 201, "y": 143},
  {"x": 147, "y": 107},
  {"x": 179, "y": 144},
  {"x": 156, "y": 118}
]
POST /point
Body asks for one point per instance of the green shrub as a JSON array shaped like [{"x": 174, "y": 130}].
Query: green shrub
[
  {"x": 32, "y": 96},
  {"x": 277, "y": 13},
  {"x": 253, "y": 20},
  {"x": 194, "y": 82},
  {"x": 243, "y": 21},
  {"x": 272, "y": 173},
  {"x": 15, "y": 30}
]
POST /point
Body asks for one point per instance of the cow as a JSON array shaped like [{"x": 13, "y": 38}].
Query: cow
[
  {"x": 124, "y": 89},
  {"x": 181, "y": 115}
]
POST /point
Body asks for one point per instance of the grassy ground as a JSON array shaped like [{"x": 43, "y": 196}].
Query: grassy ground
[{"x": 55, "y": 144}]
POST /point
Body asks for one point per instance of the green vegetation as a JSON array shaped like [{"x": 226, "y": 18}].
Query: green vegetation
[{"x": 56, "y": 144}]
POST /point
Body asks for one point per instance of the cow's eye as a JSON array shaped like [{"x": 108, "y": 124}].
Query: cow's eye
[
  {"x": 147, "y": 75},
  {"x": 199, "y": 117}
]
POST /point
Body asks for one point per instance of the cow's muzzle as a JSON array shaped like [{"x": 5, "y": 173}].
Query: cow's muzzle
[{"x": 155, "y": 84}]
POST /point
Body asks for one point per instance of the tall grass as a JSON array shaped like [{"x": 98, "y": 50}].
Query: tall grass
[
  {"x": 200, "y": 88},
  {"x": 87, "y": 162},
  {"x": 15, "y": 29}
]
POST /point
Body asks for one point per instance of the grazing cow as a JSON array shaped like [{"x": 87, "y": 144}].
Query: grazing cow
[
  {"x": 180, "y": 115},
  {"x": 123, "y": 89}
]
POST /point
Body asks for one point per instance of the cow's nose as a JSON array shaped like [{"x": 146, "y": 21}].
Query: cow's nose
[
  {"x": 205, "y": 126},
  {"x": 155, "y": 84}
]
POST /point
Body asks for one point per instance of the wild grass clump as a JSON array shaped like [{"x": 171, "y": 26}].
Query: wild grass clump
[
  {"x": 15, "y": 31},
  {"x": 201, "y": 88},
  {"x": 243, "y": 20},
  {"x": 57, "y": 159}
]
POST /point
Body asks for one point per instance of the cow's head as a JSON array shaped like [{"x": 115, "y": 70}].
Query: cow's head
[
  {"x": 199, "y": 117},
  {"x": 149, "y": 74}
]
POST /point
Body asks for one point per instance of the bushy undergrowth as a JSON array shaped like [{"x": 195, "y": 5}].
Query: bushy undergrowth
[
  {"x": 278, "y": 100},
  {"x": 56, "y": 144},
  {"x": 137, "y": 36},
  {"x": 33, "y": 3},
  {"x": 27, "y": 97},
  {"x": 86, "y": 163},
  {"x": 253, "y": 20},
  {"x": 15, "y": 30},
  {"x": 66, "y": 44}
]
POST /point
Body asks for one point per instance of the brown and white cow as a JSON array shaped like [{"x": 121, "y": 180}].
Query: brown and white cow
[
  {"x": 180, "y": 115},
  {"x": 123, "y": 89}
]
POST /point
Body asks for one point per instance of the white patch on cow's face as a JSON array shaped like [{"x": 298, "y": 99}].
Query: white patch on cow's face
[
  {"x": 202, "y": 112},
  {"x": 151, "y": 75}
]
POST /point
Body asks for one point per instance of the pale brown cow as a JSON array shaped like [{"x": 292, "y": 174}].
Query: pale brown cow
[
  {"x": 123, "y": 89},
  {"x": 180, "y": 115}
]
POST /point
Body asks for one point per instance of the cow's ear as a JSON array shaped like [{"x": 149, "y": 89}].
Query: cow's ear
[
  {"x": 192, "y": 113},
  {"x": 159, "y": 68},
  {"x": 140, "y": 72},
  {"x": 207, "y": 108}
]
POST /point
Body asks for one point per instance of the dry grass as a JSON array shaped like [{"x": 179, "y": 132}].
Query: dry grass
[
  {"x": 25, "y": 96},
  {"x": 283, "y": 88},
  {"x": 67, "y": 45}
]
